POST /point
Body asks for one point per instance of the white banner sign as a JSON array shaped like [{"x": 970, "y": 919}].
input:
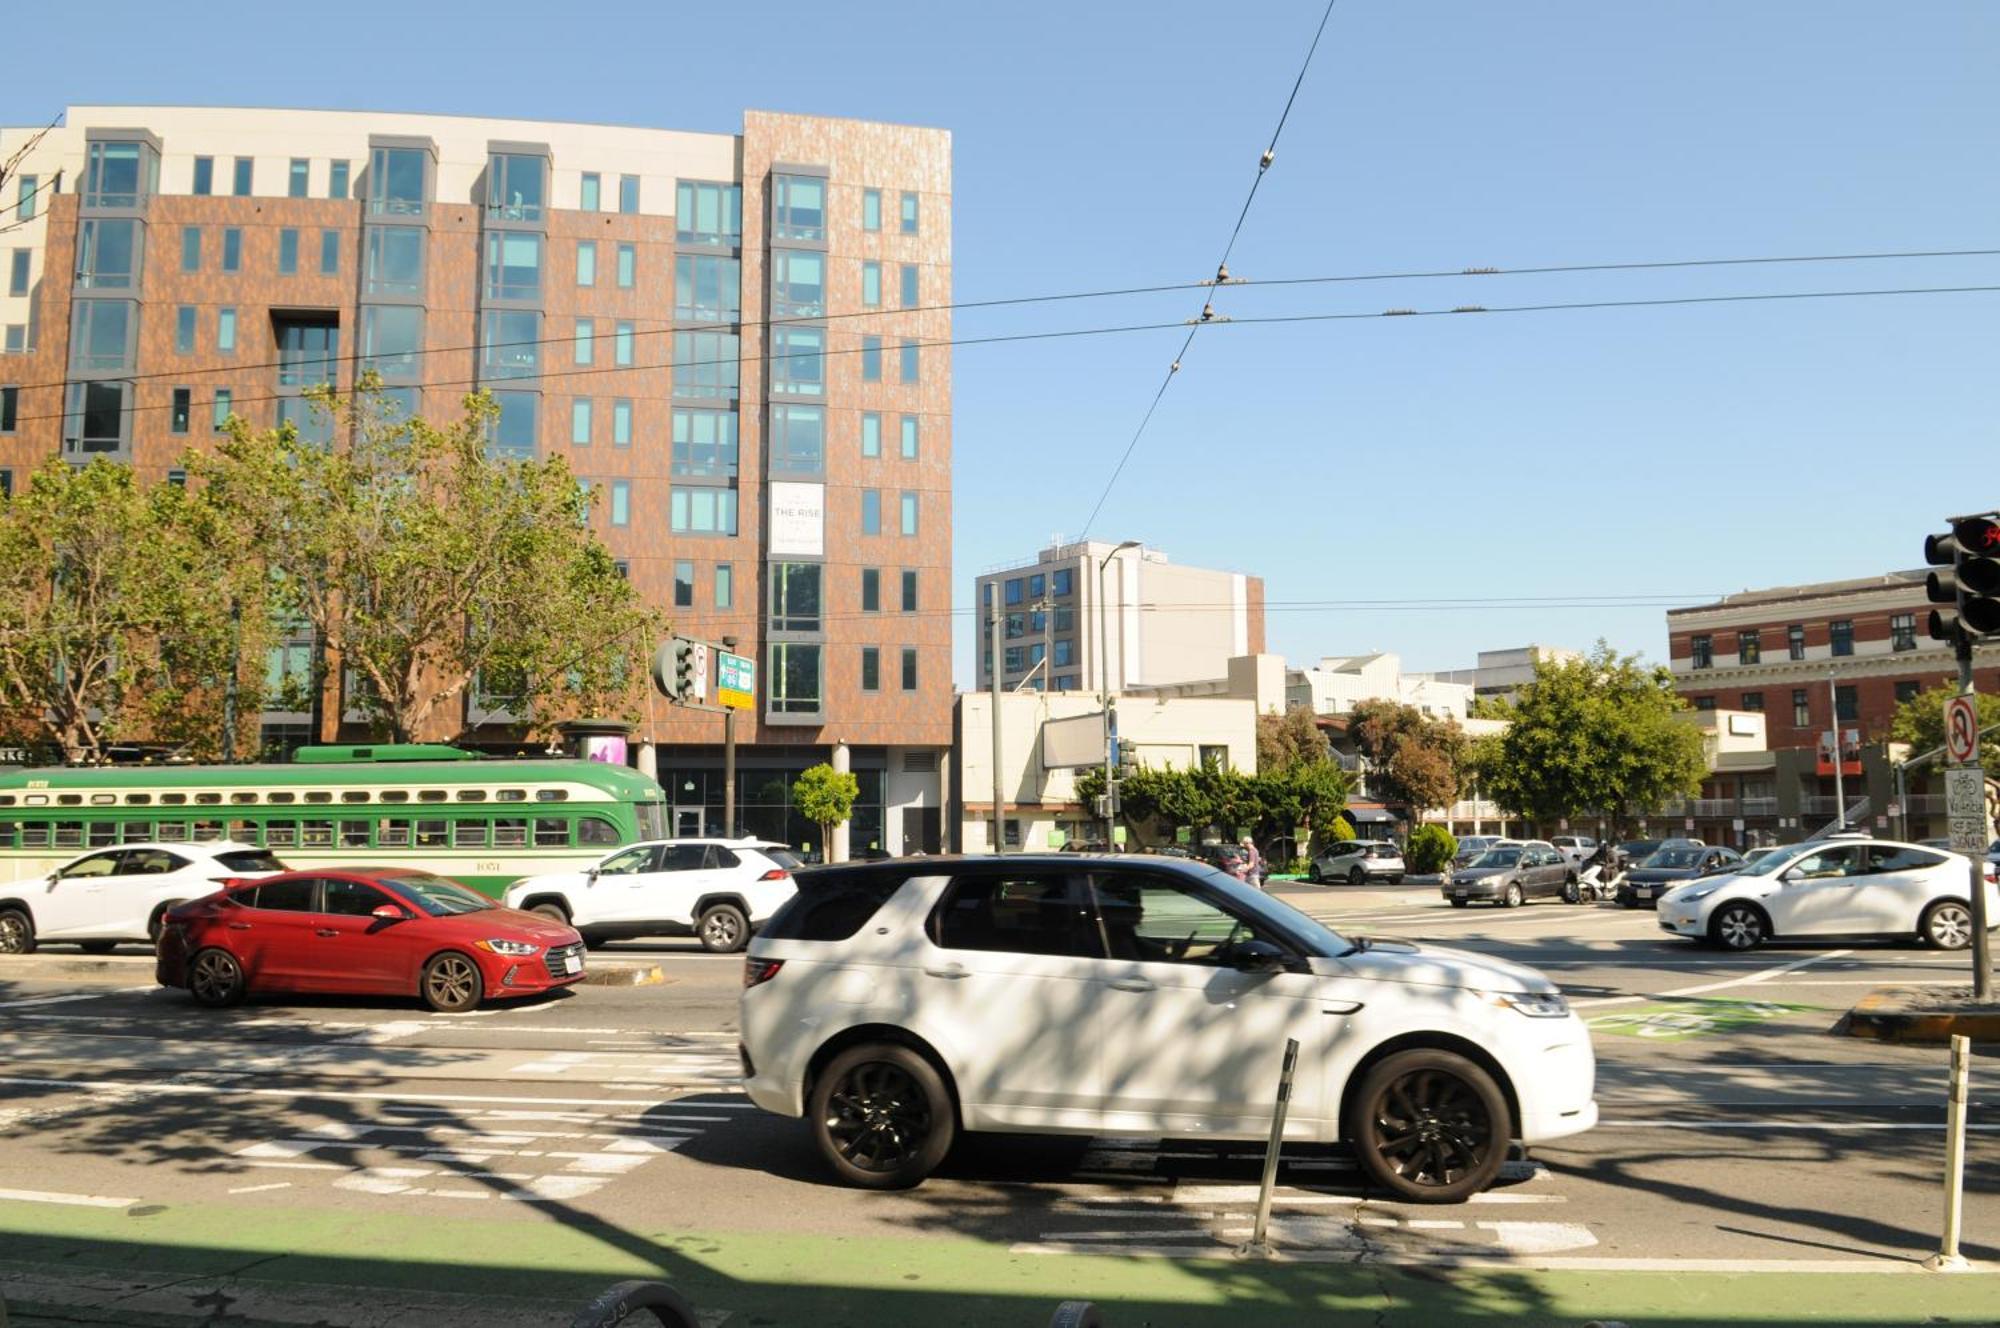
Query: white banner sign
[
  {"x": 798, "y": 519},
  {"x": 1965, "y": 808}
]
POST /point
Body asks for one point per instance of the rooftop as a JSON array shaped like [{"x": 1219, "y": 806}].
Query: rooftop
[{"x": 1813, "y": 590}]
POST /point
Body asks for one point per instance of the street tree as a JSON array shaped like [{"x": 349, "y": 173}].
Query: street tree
[
  {"x": 1415, "y": 759},
  {"x": 426, "y": 565},
  {"x": 1289, "y": 739},
  {"x": 825, "y": 797},
  {"x": 1919, "y": 721},
  {"x": 1299, "y": 787},
  {"x": 1599, "y": 735}
]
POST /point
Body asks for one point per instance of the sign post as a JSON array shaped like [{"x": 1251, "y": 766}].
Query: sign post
[{"x": 1965, "y": 808}]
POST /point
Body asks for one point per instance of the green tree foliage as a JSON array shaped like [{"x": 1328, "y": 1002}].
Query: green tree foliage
[
  {"x": 1594, "y": 735},
  {"x": 1919, "y": 721},
  {"x": 1269, "y": 804},
  {"x": 115, "y": 613},
  {"x": 1299, "y": 786},
  {"x": 1431, "y": 847},
  {"x": 1414, "y": 759},
  {"x": 825, "y": 797},
  {"x": 426, "y": 565},
  {"x": 1339, "y": 830},
  {"x": 1289, "y": 739},
  {"x": 1489, "y": 707}
]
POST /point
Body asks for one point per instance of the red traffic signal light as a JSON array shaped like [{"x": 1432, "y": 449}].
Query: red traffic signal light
[{"x": 1972, "y": 585}]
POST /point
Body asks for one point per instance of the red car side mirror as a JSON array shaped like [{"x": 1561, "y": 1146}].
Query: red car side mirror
[{"x": 389, "y": 913}]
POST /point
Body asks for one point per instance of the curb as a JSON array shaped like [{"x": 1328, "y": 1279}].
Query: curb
[
  {"x": 1883, "y": 1015},
  {"x": 141, "y": 966},
  {"x": 622, "y": 975}
]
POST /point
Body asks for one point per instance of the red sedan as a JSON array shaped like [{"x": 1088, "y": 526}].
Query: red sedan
[{"x": 378, "y": 931}]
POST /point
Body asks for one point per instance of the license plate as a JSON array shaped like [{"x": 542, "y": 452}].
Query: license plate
[
  {"x": 1459, "y": 894},
  {"x": 573, "y": 964}
]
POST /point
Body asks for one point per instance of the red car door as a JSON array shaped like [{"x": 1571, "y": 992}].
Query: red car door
[
  {"x": 272, "y": 937},
  {"x": 354, "y": 950}
]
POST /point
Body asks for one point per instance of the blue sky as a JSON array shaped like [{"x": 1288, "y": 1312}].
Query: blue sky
[{"x": 1682, "y": 451}]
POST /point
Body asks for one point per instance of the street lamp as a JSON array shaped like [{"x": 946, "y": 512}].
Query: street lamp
[{"x": 1104, "y": 679}]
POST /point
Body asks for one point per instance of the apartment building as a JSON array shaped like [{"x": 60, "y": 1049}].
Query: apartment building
[
  {"x": 1339, "y": 682},
  {"x": 739, "y": 340},
  {"x": 1096, "y": 616},
  {"x": 1812, "y": 658}
]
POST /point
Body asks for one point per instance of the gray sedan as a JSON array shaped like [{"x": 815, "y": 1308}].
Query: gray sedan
[{"x": 1512, "y": 875}]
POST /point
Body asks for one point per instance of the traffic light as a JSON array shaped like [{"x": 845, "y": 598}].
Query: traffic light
[
  {"x": 1128, "y": 753},
  {"x": 678, "y": 669},
  {"x": 1971, "y": 550}
]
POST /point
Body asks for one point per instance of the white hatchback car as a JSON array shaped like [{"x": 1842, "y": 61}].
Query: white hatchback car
[
  {"x": 718, "y": 890},
  {"x": 1845, "y": 887},
  {"x": 118, "y": 894},
  {"x": 893, "y": 1004}
]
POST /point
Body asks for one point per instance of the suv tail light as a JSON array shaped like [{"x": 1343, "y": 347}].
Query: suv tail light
[
  {"x": 775, "y": 874},
  {"x": 758, "y": 971}
]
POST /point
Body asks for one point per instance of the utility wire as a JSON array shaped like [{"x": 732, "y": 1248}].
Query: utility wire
[
  {"x": 501, "y": 383},
  {"x": 1221, "y": 273}
]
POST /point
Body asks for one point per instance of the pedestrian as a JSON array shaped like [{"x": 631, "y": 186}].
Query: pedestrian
[{"x": 1254, "y": 869}]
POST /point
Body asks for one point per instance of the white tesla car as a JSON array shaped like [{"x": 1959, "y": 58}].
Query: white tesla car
[{"x": 1864, "y": 888}]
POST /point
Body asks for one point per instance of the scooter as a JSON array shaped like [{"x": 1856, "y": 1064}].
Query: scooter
[{"x": 1593, "y": 884}]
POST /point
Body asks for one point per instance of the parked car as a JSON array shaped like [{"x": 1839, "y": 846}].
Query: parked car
[
  {"x": 893, "y": 1006},
  {"x": 386, "y": 931},
  {"x": 1574, "y": 848},
  {"x": 1512, "y": 874},
  {"x": 1635, "y": 851},
  {"x": 1472, "y": 846},
  {"x": 717, "y": 890},
  {"x": 119, "y": 894},
  {"x": 1227, "y": 858},
  {"x": 1878, "y": 888},
  {"x": 1358, "y": 861},
  {"x": 1670, "y": 866}
]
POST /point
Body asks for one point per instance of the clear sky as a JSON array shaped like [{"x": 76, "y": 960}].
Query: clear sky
[{"x": 1680, "y": 451}]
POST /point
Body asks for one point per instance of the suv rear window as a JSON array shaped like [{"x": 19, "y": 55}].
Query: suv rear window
[
  {"x": 832, "y": 905},
  {"x": 250, "y": 861},
  {"x": 784, "y": 857}
]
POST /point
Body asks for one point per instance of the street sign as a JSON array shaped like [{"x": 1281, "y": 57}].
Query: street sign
[
  {"x": 1961, "y": 731},
  {"x": 735, "y": 681},
  {"x": 1690, "y": 822},
  {"x": 1965, "y": 808}
]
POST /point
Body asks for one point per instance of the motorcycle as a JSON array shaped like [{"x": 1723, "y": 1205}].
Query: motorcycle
[{"x": 1593, "y": 884}]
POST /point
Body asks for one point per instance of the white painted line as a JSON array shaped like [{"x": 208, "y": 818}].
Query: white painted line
[
  {"x": 28, "y": 1002},
  {"x": 74, "y": 1200},
  {"x": 259, "y": 1189},
  {"x": 1433, "y": 1224},
  {"x": 1213, "y": 1251},
  {"x": 1748, "y": 979},
  {"x": 297, "y": 1166},
  {"x": 1135, "y": 1234},
  {"x": 1935, "y": 1126},
  {"x": 298, "y": 1094},
  {"x": 1492, "y": 1198}
]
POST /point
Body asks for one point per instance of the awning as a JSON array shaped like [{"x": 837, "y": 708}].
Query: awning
[{"x": 1371, "y": 815}]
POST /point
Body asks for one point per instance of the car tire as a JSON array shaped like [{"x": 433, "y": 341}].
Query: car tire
[
  {"x": 451, "y": 983},
  {"x": 1738, "y": 927},
  {"x": 882, "y": 1116},
  {"x": 553, "y": 912},
  {"x": 17, "y": 932},
  {"x": 215, "y": 979},
  {"x": 1947, "y": 925},
  {"x": 1357, "y": 877},
  {"x": 97, "y": 947},
  {"x": 1460, "y": 903},
  {"x": 1429, "y": 1126},
  {"x": 1513, "y": 898},
  {"x": 1313, "y": 876},
  {"x": 1572, "y": 893},
  {"x": 1396, "y": 878},
  {"x": 722, "y": 929},
  {"x": 156, "y": 923}
]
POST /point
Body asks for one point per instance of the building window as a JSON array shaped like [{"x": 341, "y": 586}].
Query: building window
[
  {"x": 871, "y": 359},
  {"x": 909, "y": 285},
  {"x": 1749, "y": 647},
  {"x": 394, "y": 262},
  {"x": 909, "y": 365},
  {"x": 510, "y": 343},
  {"x": 336, "y": 179},
  {"x": 871, "y": 669},
  {"x": 10, "y": 408},
  {"x": 909, "y": 668},
  {"x": 514, "y": 186},
  {"x": 392, "y": 337},
  {"x": 798, "y": 439},
  {"x": 705, "y": 364},
  {"x": 628, "y": 266},
  {"x": 102, "y": 333},
  {"x": 17, "y": 272},
  {"x": 621, "y": 422},
  {"x": 515, "y": 432},
  {"x": 299, "y": 178},
  {"x": 1065, "y": 649},
  {"x": 725, "y": 586},
  {"x": 1847, "y": 702},
  {"x": 288, "y": 252},
  {"x": 871, "y": 209},
  {"x": 909, "y": 506},
  {"x": 106, "y": 257},
  {"x": 621, "y": 505},
  {"x": 183, "y": 408},
  {"x": 622, "y": 338},
  {"x": 225, "y": 406},
  {"x": 1907, "y": 690},
  {"x": 1753, "y": 701},
  {"x": 871, "y": 434},
  {"x": 17, "y": 339},
  {"x": 705, "y": 442},
  {"x": 329, "y": 253},
  {"x": 204, "y": 176},
  {"x": 909, "y": 591},
  {"x": 707, "y": 288},
  {"x": 308, "y": 349},
  {"x": 241, "y": 180},
  {"x": 628, "y": 193},
  {"x": 871, "y": 511},
  {"x": 798, "y": 361},
  {"x": 798, "y": 284},
  {"x": 909, "y": 214},
  {"x": 909, "y": 438},
  {"x": 24, "y": 197},
  {"x": 590, "y": 194},
  {"x": 6, "y": 482},
  {"x": 795, "y": 597},
  {"x": 225, "y": 329},
  {"x": 184, "y": 329},
  {"x": 513, "y": 266},
  {"x": 586, "y": 262},
  {"x": 586, "y": 340},
  {"x": 1903, "y": 631},
  {"x": 798, "y": 207},
  {"x": 1061, "y": 582},
  {"x": 232, "y": 249},
  {"x": 579, "y": 422},
  {"x": 708, "y": 213},
  {"x": 190, "y": 248},
  {"x": 1037, "y": 587},
  {"x": 795, "y": 678},
  {"x": 396, "y": 184},
  {"x": 1704, "y": 703},
  {"x": 95, "y": 420},
  {"x": 1703, "y": 649},
  {"x": 871, "y": 284},
  {"x": 700, "y": 511},
  {"x": 1801, "y": 708},
  {"x": 871, "y": 590},
  {"x": 1795, "y": 641},
  {"x": 684, "y": 584},
  {"x": 1841, "y": 634},
  {"x": 112, "y": 178},
  {"x": 1015, "y": 587}
]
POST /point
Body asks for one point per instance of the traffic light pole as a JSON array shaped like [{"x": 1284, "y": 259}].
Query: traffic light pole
[
  {"x": 729, "y": 758},
  {"x": 999, "y": 823},
  {"x": 1982, "y": 945}
]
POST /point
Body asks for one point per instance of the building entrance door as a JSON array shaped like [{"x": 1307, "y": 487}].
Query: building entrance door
[
  {"x": 922, "y": 830},
  {"x": 687, "y": 823}
]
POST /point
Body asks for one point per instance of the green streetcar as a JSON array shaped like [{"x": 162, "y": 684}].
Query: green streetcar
[{"x": 485, "y": 823}]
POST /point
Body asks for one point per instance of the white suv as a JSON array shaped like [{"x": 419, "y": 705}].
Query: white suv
[
  {"x": 118, "y": 894},
  {"x": 719, "y": 890},
  {"x": 894, "y": 1004}
]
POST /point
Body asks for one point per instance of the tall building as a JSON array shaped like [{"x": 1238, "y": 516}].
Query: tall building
[
  {"x": 739, "y": 340},
  {"x": 1806, "y": 656},
  {"x": 1501, "y": 674},
  {"x": 1161, "y": 623}
]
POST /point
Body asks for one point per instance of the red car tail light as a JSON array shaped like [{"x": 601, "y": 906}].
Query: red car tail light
[
  {"x": 775, "y": 874},
  {"x": 758, "y": 971}
]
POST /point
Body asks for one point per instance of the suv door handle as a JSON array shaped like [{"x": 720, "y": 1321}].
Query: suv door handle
[
  {"x": 951, "y": 970},
  {"x": 1132, "y": 984}
]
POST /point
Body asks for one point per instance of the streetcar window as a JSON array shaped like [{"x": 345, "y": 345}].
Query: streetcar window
[
  {"x": 511, "y": 795},
  {"x": 318, "y": 834},
  {"x": 208, "y": 799},
  {"x": 70, "y": 799},
  {"x": 138, "y": 832},
  {"x": 138, "y": 799},
  {"x": 430, "y": 834},
  {"x": 174, "y": 799},
  {"x": 281, "y": 797},
  {"x": 319, "y": 795},
  {"x": 394, "y": 795},
  {"x": 243, "y": 832},
  {"x": 103, "y": 799},
  {"x": 469, "y": 834},
  {"x": 171, "y": 832},
  {"x": 551, "y": 832},
  {"x": 241, "y": 798},
  {"x": 281, "y": 834},
  {"x": 102, "y": 833},
  {"x": 355, "y": 795},
  {"x": 592, "y": 830},
  {"x": 430, "y": 795},
  {"x": 354, "y": 834},
  {"x": 69, "y": 834},
  {"x": 207, "y": 830},
  {"x": 392, "y": 834},
  {"x": 510, "y": 833},
  {"x": 551, "y": 795},
  {"x": 6, "y": 834},
  {"x": 34, "y": 836}
]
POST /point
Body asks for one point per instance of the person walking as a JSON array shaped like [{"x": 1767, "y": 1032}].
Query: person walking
[{"x": 1254, "y": 867}]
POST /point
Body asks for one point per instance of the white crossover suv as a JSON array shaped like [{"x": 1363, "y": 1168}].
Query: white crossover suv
[
  {"x": 717, "y": 890},
  {"x": 893, "y": 1004},
  {"x": 118, "y": 894}
]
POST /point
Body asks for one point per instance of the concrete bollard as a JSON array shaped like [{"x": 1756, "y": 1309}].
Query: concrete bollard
[
  {"x": 622, "y": 1302},
  {"x": 1076, "y": 1314}
]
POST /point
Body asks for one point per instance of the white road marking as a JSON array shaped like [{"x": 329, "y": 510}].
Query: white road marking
[
  {"x": 298, "y": 1094},
  {"x": 27, "y": 1002},
  {"x": 1936, "y": 1126},
  {"x": 1748, "y": 979},
  {"x": 75, "y": 1200},
  {"x": 259, "y": 1189}
]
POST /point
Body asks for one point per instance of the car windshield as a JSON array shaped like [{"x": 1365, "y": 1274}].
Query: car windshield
[
  {"x": 250, "y": 860},
  {"x": 1639, "y": 849},
  {"x": 1498, "y": 857},
  {"x": 1674, "y": 858},
  {"x": 1319, "y": 938},
  {"x": 1770, "y": 864},
  {"x": 435, "y": 895}
]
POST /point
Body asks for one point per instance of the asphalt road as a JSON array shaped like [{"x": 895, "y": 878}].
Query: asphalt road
[{"x": 170, "y": 1160}]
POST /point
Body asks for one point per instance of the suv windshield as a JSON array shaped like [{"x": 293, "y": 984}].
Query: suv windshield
[
  {"x": 1497, "y": 857},
  {"x": 435, "y": 895}
]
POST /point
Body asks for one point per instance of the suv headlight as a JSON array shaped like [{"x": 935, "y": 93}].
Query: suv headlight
[
  {"x": 1536, "y": 1005},
  {"x": 515, "y": 949}
]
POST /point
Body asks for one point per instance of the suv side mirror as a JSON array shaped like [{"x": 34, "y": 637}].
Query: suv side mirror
[{"x": 1257, "y": 957}]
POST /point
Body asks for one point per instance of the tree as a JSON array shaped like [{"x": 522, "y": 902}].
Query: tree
[
  {"x": 1919, "y": 721},
  {"x": 426, "y": 565},
  {"x": 1431, "y": 847},
  {"x": 1489, "y": 707},
  {"x": 1299, "y": 787},
  {"x": 115, "y": 613},
  {"x": 825, "y": 797},
  {"x": 1416, "y": 760},
  {"x": 1599, "y": 735},
  {"x": 1289, "y": 739}
]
